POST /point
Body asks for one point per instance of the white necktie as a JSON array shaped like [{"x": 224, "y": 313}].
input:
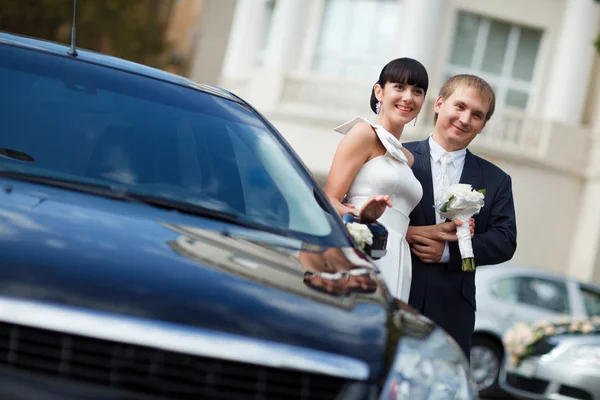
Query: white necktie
[{"x": 441, "y": 181}]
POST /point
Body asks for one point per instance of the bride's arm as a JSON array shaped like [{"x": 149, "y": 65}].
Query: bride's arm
[{"x": 353, "y": 151}]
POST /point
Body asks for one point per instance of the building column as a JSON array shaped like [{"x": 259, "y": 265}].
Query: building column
[
  {"x": 243, "y": 41},
  {"x": 286, "y": 29},
  {"x": 212, "y": 37},
  {"x": 281, "y": 53},
  {"x": 595, "y": 94},
  {"x": 585, "y": 254},
  {"x": 584, "y": 259},
  {"x": 572, "y": 62},
  {"x": 421, "y": 22}
]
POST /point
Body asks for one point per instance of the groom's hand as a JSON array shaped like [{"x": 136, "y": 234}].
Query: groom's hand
[
  {"x": 444, "y": 231},
  {"x": 427, "y": 249}
]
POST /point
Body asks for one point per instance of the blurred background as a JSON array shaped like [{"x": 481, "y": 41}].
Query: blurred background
[{"x": 309, "y": 66}]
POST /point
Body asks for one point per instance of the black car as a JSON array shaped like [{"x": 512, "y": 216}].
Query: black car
[{"x": 160, "y": 240}]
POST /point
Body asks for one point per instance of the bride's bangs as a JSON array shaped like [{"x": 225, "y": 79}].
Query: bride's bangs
[{"x": 405, "y": 70}]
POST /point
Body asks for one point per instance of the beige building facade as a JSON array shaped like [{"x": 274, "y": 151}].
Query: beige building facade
[{"x": 309, "y": 66}]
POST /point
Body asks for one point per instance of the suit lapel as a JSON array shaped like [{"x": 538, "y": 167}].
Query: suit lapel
[
  {"x": 471, "y": 173},
  {"x": 422, "y": 171}
]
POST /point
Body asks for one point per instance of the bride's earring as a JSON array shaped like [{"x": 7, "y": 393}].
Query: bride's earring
[
  {"x": 378, "y": 108},
  {"x": 415, "y": 124}
]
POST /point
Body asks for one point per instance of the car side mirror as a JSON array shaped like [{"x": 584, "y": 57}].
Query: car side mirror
[{"x": 379, "y": 232}]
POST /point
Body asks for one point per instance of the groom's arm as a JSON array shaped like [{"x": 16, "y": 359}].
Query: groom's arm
[
  {"x": 431, "y": 242},
  {"x": 425, "y": 244},
  {"x": 499, "y": 241}
]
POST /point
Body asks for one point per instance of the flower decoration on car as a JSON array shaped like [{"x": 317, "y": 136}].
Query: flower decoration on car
[
  {"x": 360, "y": 233},
  {"x": 520, "y": 339}
]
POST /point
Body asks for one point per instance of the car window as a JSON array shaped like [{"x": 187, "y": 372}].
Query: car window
[
  {"x": 505, "y": 289},
  {"x": 591, "y": 300},
  {"x": 544, "y": 293},
  {"x": 97, "y": 124}
]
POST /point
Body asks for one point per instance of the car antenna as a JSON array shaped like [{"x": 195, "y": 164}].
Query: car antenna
[{"x": 72, "y": 51}]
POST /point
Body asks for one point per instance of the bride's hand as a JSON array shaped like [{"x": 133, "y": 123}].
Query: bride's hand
[
  {"x": 347, "y": 208},
  {"x": 374, "y": 208}
]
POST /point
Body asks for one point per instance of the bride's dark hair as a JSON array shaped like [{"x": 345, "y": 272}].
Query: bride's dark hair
[{"x": 402, "y": 70}]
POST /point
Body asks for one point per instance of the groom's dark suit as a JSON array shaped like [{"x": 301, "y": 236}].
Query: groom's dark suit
[{"x": 443, "y": 292}]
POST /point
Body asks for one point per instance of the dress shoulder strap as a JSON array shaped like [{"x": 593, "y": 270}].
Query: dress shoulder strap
[{"x": 389, "y": 141}]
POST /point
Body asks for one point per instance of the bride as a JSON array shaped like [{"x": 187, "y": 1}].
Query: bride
[{"x": 373, "y": 170}]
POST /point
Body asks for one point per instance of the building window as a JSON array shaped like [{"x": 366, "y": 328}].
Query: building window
[
  {"x": 503, "y": 54},
  {"x": 355, "y": 37},
  {"x": 264, "y": 24}
]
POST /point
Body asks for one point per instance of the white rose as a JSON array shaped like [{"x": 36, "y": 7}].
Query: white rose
[
  {"x": 524, "y": 333},
  {"x": 520, "y": 350},
  {"x": 460, "y": 189},
  {"x": 563, "y": 320},
  {"x": 587, "y": 327},
  {"x": 540, "y": 324},
  {"x": 475, "y": 196},
  {"x": 361, "y": 233}
]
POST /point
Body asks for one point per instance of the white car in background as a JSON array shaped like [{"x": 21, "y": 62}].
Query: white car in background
[
  {"x": 507, "y": 294},
  {"x": 565, "y": 367}
]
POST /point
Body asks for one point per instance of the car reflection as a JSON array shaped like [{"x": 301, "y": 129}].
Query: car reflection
[
  {"x": 342, "y": 283},
  {"x": 334, "y": 272}
]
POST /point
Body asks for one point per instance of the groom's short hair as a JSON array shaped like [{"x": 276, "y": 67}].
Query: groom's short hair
[{"x": 481, "y": 87}]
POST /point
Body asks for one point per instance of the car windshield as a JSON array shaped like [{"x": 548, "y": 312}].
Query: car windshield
[{"x": 68, "y": 119}]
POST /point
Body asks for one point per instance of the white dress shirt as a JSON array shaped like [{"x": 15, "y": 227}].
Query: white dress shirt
[{"x": 453, "y": 174}]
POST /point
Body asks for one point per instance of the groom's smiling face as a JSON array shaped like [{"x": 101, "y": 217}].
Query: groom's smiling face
[{"x": 461, "y": 117}]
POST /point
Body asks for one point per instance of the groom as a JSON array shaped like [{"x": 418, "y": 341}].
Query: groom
[{"x": 440, "y": 289}]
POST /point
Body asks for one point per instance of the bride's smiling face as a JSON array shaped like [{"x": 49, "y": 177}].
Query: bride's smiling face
[{"x": 400, "y": 102}]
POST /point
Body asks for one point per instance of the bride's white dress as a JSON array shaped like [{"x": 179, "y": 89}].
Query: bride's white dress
[{"x": 389, "y": 174}]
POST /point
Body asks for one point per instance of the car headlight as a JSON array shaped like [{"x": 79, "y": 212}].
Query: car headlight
[
  {"x": 585, "y": 355},
  {"x": 430, "y": 368}
]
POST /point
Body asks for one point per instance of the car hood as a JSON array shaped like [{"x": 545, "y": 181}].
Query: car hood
[{"x": 79, "y": 250}]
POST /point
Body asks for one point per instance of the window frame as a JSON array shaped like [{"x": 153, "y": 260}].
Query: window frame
[
  {"x": 502, "y": 82},
  {"x": 309, "y": 49}
]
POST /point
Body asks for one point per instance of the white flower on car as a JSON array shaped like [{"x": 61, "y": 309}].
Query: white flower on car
[
  {"x": 520, "y": 338},
  {"x": 587, "y": 327},
  {"x": 360, "y": 233},
  {"x": 549, "y": 330},
  {"x": 542, "y": 323}
]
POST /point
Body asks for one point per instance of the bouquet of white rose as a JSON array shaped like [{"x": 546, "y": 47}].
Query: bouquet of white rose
[{"x": 460, "y": 201}]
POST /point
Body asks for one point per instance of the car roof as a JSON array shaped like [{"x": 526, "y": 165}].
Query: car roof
[
  {"x": 111, "y": 62},
  {"x": 505, "y": 269}
]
